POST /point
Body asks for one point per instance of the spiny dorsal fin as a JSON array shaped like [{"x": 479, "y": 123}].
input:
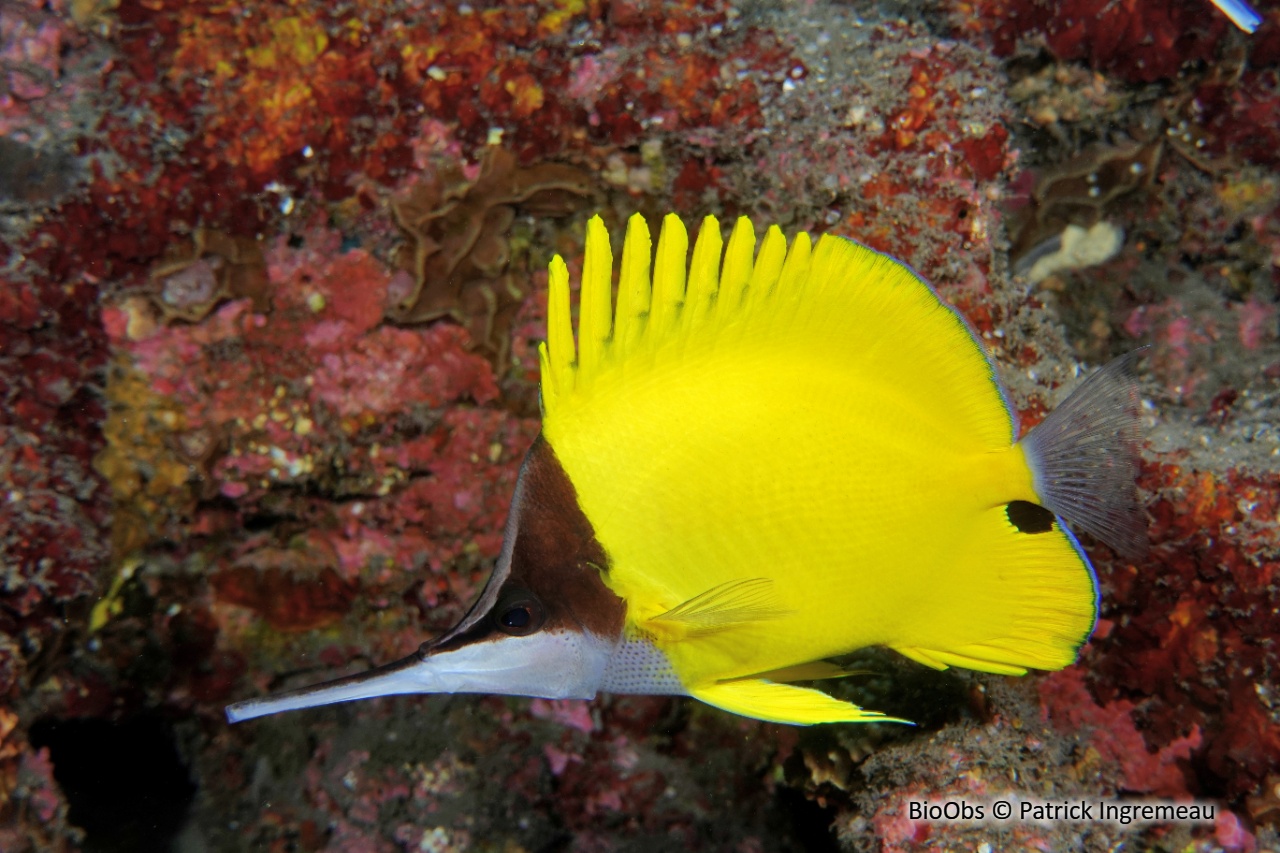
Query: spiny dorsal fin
[
  {"x": 833, "y": 303},
  {"x": 658, "y": 309},
  {"x": 724, "y": 606}
]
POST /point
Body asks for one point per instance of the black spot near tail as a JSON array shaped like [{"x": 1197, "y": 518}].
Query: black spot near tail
[{"x": 1029, "y": 517}]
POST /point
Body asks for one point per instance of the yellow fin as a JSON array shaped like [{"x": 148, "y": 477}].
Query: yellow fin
[
  {"x": 922, "y": 656},
  {"x": 633, "y": 283},
  {"x": 942, "y": 660},
  {"x": 768, "y": 266},
  {"x": 595, "y": 311},
  {"x": 557, "y": 354},
  {"x": 783, "y": 703},
  {"x": 795, "y": 269},
  {"x": 668, "y": 275},
  {"x": 816, "y": 670},
  {"x": 704, "y": 272},
  {"x": 836, "y": 302},
  {"x": 737, "y": 262},
  {"x": 723, "y": 606}
]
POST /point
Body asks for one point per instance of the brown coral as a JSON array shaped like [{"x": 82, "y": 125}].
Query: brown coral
[
  {"x": 457, "y": 247},
  {"x": 150, "y": 480},
  {"x": 194, "y": 278},
  {"x": 1078, "y": 191},
  {"x": 1265, "y": 807}
]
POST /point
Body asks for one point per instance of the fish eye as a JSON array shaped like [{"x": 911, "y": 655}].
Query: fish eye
[{"x": 519, "y": 614}]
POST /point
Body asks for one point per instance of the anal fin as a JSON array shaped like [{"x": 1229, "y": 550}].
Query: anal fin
[
  {"x": 812, "y": 671},
  {"x": 942, "y": 660},
  {"x": 783, "y": 703}
]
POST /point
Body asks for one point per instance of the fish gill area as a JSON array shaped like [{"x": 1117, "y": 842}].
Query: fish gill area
[{"x": 272, "y": 279}]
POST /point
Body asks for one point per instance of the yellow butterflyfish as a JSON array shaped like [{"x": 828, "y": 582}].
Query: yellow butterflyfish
[{"x": 761, "y": 460}]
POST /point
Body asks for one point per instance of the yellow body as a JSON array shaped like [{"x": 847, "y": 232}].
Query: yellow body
[{"x": 815, "y": 434}]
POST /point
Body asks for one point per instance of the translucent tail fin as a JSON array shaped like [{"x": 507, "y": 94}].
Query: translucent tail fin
[{"x": 1084, "y": 457}]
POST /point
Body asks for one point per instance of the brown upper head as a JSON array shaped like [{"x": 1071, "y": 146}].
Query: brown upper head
[{"x": 545, "y": 625}]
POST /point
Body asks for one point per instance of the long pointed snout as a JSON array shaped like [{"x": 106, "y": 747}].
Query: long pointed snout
[
  {"x": 552, "y": 665},
  {"x": 407, "y": 675}
]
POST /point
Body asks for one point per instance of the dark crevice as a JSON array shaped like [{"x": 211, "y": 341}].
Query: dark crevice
[
  {"x": 125, "y": 783},
  {"x": 811, "y": 824}
]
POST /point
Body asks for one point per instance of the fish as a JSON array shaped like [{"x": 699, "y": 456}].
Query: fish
[
  {"x": 1244, "y": 16},
  {"x": 759, "y": 461}
]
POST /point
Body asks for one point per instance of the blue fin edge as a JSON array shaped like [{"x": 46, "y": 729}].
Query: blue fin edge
[{"x": 1010, "y": 411}]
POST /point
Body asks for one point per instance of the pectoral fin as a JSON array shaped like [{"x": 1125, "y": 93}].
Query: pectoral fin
[
  {"x": 727, "y": 605},
  {"x": 782, "y": 703}
]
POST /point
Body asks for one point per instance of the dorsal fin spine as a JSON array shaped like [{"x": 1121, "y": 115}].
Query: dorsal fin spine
[
  {"x": 738, "y": 259},
  {"x": 661, "y": 301},
  {"x": 595, "y": 321},
  {"x": 668, "y": 275},
  {"x": 768, "y": 266},
  {"x": 633, "y": 286},
  {"x": 796, "y": 268},
  {"x": 704, "y": 273},
  {"x": 557, "y": 355}
]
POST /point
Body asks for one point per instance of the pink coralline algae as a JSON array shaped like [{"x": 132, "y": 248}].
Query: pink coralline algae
[
  {"x": 1194, "y": 645},
  {"x": 54, "y": 512},
  {"x": 232, "y": 376},
  {"x": 1110, "y": 729},
  {"x": 375, "y": 376},
  {"x": 314, "y": 396},
  {"x": 1230, "y": 832},
  {"x": 35, "y": 42},
  {"x": 30, "y": 54},
  {"x": 568, "y": 712},
  {"x": 1188, "y": 344}
]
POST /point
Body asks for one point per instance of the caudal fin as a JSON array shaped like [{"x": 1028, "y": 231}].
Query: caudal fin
[{"x": 1084, "y": 457}]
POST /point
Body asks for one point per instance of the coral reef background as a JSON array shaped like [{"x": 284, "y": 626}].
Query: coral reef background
[{"x": 271, "y": 284}]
